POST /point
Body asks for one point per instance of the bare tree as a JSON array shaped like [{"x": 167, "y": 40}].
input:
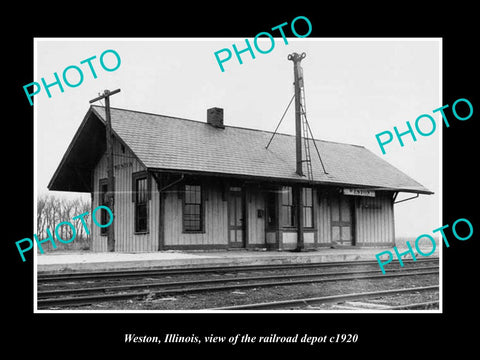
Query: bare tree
[
  {"x": 41, "y": 219},
  {"x": 52, "y": 210}
]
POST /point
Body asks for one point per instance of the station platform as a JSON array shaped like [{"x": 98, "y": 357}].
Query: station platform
[{"x": 55, "y": 262}]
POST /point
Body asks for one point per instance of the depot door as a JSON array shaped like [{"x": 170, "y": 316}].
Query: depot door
[
  {"x": 341, "y": 208},
  {"x": 236, "y": 217}
]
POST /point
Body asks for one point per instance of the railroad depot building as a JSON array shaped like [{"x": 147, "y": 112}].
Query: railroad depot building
[{"x": 185, "y": 184}]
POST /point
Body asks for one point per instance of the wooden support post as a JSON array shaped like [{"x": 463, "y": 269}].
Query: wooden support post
[{"x": 110, "y": 174}]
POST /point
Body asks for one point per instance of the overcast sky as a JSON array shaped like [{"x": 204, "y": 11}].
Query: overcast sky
[{"x": 355, "y": 88}]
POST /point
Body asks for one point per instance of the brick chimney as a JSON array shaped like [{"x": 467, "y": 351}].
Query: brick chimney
[{"x": 215, "y": 117}]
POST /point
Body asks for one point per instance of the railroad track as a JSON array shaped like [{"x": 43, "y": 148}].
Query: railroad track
[
  {"x": 55, "y": 277},
  {"x": 78, "y": 296},
  {"x": 316, "y": 301}
]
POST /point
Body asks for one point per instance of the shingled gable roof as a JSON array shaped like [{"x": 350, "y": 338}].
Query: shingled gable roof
[{"x": 172, "y": 144}]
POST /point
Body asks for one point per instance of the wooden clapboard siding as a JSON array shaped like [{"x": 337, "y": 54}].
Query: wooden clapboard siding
[
  {"x": 289, "y": 240},
  {"x": 322, "y": 214},
  {"x": 215, "y": 220},
  {"x": 309, "y": 238},
  {"x": 374, "y": 223},
  {"x": 126, "y": 240}
]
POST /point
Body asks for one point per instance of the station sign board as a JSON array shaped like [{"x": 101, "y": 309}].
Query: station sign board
[{"x": 359, "y": 192}]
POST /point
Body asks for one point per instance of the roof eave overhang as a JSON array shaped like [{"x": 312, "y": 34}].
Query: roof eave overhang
[
  {"x": 75, "y": 169},
  {"x": 286, "y": 180},
  {"x": 74, "y": 173}
]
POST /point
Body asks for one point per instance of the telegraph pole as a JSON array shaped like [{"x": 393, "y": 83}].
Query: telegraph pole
[
  {"x": 296, "y": 58},
  {"x": 110, "y": 177}
]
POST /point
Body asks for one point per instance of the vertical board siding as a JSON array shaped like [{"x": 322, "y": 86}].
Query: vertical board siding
[
  {"x": 322, "y": 214},
  {"x": 374, "y": 220},
  {"x": 125, "y": 239}
]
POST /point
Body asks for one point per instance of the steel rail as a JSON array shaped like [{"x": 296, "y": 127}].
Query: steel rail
[
  {"x": 414, "y": 305},
  {"x": 105, "y": 297},
  {"x": 210, "y": 269},
  {"x": 322, "y": 300}
]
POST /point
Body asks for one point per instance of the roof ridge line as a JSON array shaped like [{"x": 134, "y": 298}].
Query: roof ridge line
[{"x": 226, "y": 126}]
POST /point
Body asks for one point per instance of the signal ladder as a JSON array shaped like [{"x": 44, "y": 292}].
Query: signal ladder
[
  {"x": 303, "y": 115},
  {"x": 307, "y": 135}
]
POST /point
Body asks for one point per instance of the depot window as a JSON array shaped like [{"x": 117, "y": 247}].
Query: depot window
[
  {"x": 192, "y": 208},
  {"x": 140, "y": 197},
  {"x": 307, "y": 207},
  {"x": 288, "y": 207}
]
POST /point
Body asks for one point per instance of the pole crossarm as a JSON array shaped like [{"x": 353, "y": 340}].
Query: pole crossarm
[{"x": 106, "y": 93}]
